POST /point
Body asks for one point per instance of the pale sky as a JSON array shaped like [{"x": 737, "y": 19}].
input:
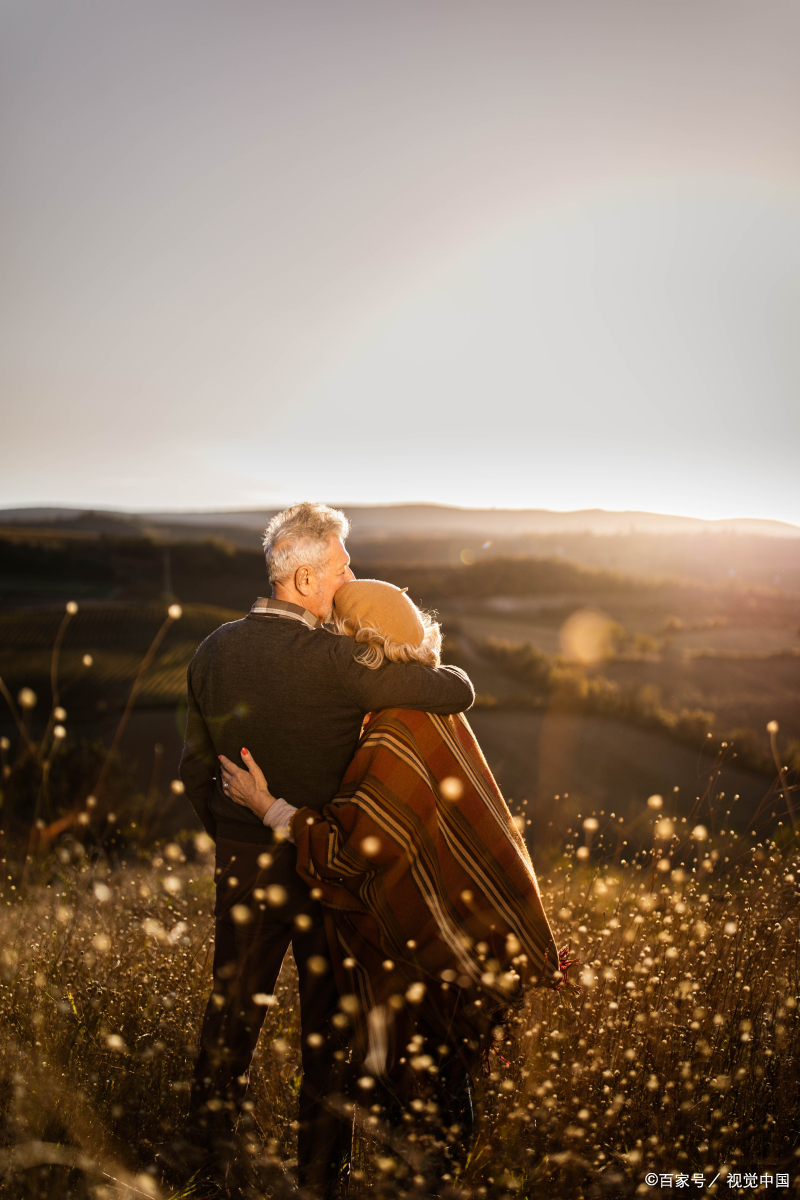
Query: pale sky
[{"x": 505, "y": 253}]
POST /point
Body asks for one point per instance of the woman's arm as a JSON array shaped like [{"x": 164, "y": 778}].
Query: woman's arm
[
  {"x": 402, "y": 685},
  {"x": 249, "y": 789}
]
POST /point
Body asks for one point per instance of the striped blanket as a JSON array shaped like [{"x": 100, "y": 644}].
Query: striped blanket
[{"x": 430, "y": 893}]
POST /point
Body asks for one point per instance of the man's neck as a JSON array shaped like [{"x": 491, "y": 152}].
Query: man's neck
[{"x": 291, "y": 594}]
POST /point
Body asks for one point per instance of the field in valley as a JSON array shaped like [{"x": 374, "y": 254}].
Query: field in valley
[{"x": 677, "y": 659}]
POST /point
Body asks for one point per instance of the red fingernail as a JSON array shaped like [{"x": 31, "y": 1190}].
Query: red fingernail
[{"x": 245, "y": 751}]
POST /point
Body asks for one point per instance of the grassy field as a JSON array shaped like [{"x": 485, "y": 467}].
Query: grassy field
[{"x": 680, "y": 1055}]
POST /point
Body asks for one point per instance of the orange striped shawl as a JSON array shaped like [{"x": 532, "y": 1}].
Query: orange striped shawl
[{"x": 422, "y": 887}]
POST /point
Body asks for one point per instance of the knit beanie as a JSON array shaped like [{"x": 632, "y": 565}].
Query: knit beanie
[{"x": 382, "y": 606}]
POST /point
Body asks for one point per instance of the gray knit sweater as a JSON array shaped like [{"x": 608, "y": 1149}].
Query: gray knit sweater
[{"x": 296, "y": 698}]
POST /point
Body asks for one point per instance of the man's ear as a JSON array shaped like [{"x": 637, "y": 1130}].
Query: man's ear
[{"x": 302, "y": 581}]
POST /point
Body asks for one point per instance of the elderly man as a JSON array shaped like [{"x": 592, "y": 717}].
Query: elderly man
[{"x": 290, "y": 691}]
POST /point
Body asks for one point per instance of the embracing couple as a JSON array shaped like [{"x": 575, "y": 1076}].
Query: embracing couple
[{"x": 363, "y": 828}]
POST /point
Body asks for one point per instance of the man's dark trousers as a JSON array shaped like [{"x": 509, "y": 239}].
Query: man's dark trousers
[{"x": 261, "y": 909}]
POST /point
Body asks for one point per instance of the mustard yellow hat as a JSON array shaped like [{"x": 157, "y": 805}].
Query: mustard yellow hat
[{"x": 383, "y": 606}]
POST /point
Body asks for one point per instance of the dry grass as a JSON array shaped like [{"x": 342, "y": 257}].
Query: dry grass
[
  {"x": 105, "y": 975},
  {"x": 681, "y": 1054}
]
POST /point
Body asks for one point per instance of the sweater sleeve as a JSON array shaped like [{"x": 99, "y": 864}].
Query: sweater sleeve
[
  {"x": 441, "y": 690},
  {"x": 279, "y": 816},
  {"x": 198, "y": 762}
]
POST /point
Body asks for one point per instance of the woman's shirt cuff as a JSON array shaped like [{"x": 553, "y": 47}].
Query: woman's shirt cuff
[{"x": 279, "y": 816}]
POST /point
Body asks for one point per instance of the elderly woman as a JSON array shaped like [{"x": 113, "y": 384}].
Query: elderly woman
[{"x": 435, "y": 921}]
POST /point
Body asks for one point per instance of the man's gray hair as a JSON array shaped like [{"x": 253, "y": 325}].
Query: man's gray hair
[{"x": 298, "y": 537}]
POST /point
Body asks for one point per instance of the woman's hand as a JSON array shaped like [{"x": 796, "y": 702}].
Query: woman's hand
[{"x": 247, "y": 788}]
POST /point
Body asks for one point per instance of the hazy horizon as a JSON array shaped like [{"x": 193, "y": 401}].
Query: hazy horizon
[
  {"x": 509, "y": 256},
  {"x": 656, "y": 522}
]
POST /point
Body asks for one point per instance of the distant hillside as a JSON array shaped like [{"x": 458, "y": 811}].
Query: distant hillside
[
  {"x": 45, "y": 565},
  {"x": 723, "y": 649},
  {"x": 765, "y": 553},
  {"x": 409, "y": 520},
  {"x": 415, "y": 520},
  {"x": 42, "y": 566}
]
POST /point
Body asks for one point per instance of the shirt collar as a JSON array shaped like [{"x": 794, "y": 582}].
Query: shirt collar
[{"x": 266, "y": 606}]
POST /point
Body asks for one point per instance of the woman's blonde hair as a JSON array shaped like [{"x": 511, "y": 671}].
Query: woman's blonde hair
[{"x": 378, "y": 646}]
